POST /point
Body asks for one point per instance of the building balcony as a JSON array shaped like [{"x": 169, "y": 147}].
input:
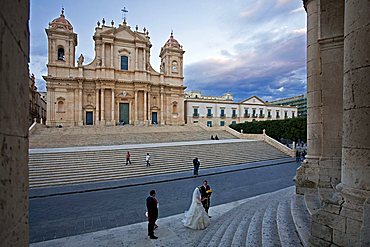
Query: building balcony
[
  {"x": 209, "y": 115},
  {"x": 247, "y": 115},
  {"x": 269, "y": 116},
  {"x": 277, "y": 116},
  {"x": 254, "y": 115},
  {"x": 234, "y": 115},
  {"x": 262, "y": 116},
  {"x": 195, "y": 115},
  {"x": 222, "y": 115}
]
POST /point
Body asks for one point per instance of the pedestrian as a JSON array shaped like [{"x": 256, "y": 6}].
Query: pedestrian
[
  {"x": 128, "y": 158},
  {"x": 205, "y": 191},
  {"x": 196, "y": 164},
  {"x": 297, "y": 156},
  {"x": 152, "y": 209},
  {"x": 147, "y": 159},
  {"x": 216, "y": 137},
  {"x": 212, "y": 138}
]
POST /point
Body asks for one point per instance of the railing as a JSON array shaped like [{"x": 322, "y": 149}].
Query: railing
[
  {"x": 254, "y": 115},
  {"x": 209, "y": 115},
  {"x": 195, "y": 114},
  {"x": 234, "y": 116},
  {"x": 262, "y": 116},
  {"x": 222, "y": 115},
  {"x": 247, "y": 115}
]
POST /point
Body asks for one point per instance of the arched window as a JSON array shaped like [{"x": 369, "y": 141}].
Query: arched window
[
  {"x": 124, "y": 62},
  {"x": 61, "y": 53},
  {"x": 174, "y": 66},
  {"x": 60, "y": 106}
]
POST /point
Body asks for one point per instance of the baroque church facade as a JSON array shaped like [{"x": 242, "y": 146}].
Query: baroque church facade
[{"x": 119, "y": 86}]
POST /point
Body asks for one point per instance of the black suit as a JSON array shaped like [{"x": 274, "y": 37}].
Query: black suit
[
  {"x": 151, "y": 205},
  {"x": 206, "y": 197}
]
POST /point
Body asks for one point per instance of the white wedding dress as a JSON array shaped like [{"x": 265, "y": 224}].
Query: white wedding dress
[{"x": 196, "y": 218}]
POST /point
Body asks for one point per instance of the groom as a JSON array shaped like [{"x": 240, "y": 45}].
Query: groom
[
  {"x": 151, "y": 205},
  {"x": 205, "y": 191}
]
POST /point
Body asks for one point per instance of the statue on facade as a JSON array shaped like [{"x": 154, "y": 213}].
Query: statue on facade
[{"x": 80, "y": 60}]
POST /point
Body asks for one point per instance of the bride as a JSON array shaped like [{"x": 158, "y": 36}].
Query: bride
[{"x": 196, "y": 218}]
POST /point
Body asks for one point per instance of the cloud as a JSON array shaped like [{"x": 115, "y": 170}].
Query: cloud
[
  {"x": 273, "y": 69},
  {"x": 38, "y": 68}
]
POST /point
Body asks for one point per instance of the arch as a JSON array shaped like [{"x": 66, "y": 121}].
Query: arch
[
  {"x": 174, "y": 66},
  {"x": 60, "y": 55}
]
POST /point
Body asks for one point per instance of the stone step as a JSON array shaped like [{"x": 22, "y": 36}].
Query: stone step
[
  {"x": 270, "y": 235},
  {"x": 86, "y": 136},
  {"x": 287, "y": 232},
  {"x": 301, "y": 218},
  {"x": 206, "y": 239},
  {"x": 254, "y": 235},
  {"x": 312, "y": 201},
  {"x": 228, "y": 235}
]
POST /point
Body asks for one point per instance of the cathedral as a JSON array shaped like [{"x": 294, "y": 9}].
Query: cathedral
[{"x": 119, "y": 86}]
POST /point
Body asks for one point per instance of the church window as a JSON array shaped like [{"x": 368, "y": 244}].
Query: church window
[
  {"x": 124, "y": 62},
  {"x": 60, "y": 106},
  {"x": 61, "y": 54}
]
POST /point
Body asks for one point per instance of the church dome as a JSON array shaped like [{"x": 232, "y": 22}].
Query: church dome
[
  {"x": 172, "y": 42},
  {"x": 61, "y": 23}
]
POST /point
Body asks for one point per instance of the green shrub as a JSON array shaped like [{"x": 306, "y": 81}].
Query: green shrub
[{"x": 292, "y": 128}]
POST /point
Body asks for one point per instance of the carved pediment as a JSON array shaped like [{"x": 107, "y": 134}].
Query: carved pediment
[
  {"x": 123, "y": 94},
  {"x": 89, "y": 106},
  {"x": 61, "y": 99}
]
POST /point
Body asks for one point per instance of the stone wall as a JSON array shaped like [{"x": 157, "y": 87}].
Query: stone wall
[{"x": 14, "y": 54}]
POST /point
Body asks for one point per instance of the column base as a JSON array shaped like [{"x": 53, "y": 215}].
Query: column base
[{"x": 307, "y": 175}]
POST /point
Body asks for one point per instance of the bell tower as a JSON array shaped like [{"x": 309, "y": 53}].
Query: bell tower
[
  {"x": 62, "y": 42},
  {"x": 172, "y": 58}
]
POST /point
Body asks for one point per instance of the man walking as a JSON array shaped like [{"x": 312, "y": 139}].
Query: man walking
[
  {"x": 151, "y": 206},
  {"x": 128, "y": 158},
  {"x": 196, "y": 164},
  {"x": 147, "y": 159}
]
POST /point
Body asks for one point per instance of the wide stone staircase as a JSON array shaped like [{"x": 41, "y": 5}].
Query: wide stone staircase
[
  {"x": 280, "y": 218},
  {"x": 43, "y": 137},
  {"x": 60, "y": 168}
]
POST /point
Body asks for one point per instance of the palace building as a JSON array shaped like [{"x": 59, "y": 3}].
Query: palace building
[
  {"x": 119, "y": 86},
  {"x": 223, "y": 111}
]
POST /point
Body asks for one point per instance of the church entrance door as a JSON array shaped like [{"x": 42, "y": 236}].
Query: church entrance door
[
  {"x": 154, "y": 118},
  {"x": 124, "y": 113},
  {"x": 89, "y": 118}
]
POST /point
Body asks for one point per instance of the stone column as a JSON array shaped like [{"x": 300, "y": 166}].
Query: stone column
[
  {"x": 307, "y": 173},
  {"x": 331, "y": 75},
  {"x": 136, "y": 108},
  {"x": 103, "y": 55},
  {"x": 80, "y": 110},
  {"x": 162, "y": 107},
  {"x": 111, "y": 56},
  {"x": 145, "y": 107},
  {"x": 14, "y": 113},
  {"x": 149, "y": 111},
  {"x": 136, "y": 58},
  {"x": 144, "y": 65},
  {"x": 102, "y": 112},
  {"x": 48, "y": 105},
  {"x": 355, "y": 184},
  {"x": 113, "y": 106},
  {"x": 97, "y": 107}
]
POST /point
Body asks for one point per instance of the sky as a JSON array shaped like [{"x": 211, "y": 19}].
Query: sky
[{"x": 245, "y": 47}]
